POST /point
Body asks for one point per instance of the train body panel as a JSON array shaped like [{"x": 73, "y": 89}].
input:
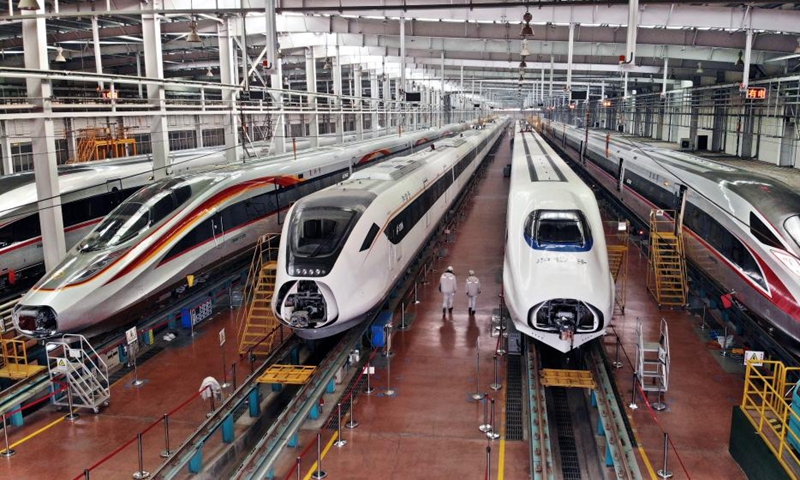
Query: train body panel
[
  {"x": 556, "y": 280},
  {"x": 90, "y": 191},
  {"x": 344, "y": 249},
  {"x": 742, "y": 229},
  {"x": 183, "y": 225}
]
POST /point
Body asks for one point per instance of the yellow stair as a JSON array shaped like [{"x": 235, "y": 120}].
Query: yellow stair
[
  {"x": 258, "y": 327},
  {"x": 666, "y": 273}
]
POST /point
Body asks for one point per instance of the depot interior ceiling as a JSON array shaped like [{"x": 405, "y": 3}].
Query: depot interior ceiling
[{"x": 485, "y": 50}]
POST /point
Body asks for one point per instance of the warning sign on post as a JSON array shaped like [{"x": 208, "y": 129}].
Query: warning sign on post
[
  {"x": 130, "y": 335},
  {"x": 755, "y": 358},
  {"x": 61, "y": 365}
]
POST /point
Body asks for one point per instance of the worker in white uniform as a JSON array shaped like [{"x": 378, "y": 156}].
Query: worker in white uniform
[
  {"x": 473, "y": 290},
  {"x": 447, "y": 285}
]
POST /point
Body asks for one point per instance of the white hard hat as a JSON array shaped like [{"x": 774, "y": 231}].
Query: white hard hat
[
  {"x": 449, "y": 269},
  {"x": 472, "y": 272}
]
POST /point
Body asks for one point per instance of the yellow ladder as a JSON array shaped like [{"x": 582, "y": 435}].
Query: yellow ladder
[
  {"x": 257, "y": 324},
  {"x": 666, "y": 273},
  {"x": 617, "y": 235}
]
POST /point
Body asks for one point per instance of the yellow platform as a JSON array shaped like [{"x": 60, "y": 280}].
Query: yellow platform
[
  {"x": 287, "y": 374},
  {"x": 567, "y": 378},
  {"x": 17, "y": 372}
]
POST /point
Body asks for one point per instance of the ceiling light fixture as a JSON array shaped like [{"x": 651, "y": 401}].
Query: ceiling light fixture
[
  {"x": 327, "y": 65},
  {"x": 525, "y": 52},
  {"x": 28, "y": 5},
  {"x": 699, "y": 68},
  {"x": 209, "y": 73},
  {"x": 60, "y": 55},
  {"x": 522, "y": 64},
  {"x": 739, "y": 60},
  {"x": 193, "y": 36},
  {"x": 797, "y": 48},
  {"x": 527, "y": 30}
]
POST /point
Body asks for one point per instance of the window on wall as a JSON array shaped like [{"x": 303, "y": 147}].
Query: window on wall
[
  {"x": 213, "y": 137},
  {"x": 182, "y": 140},
  {"x": 143, "y": 145},
  {"x": 22, "y": 156}
]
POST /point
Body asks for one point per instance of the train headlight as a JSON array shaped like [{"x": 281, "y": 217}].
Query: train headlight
[
  {"x": 318, "y": 271},
  {"x": 789, "y": 261}
]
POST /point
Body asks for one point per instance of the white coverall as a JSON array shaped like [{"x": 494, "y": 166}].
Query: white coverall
[
  {"x": 473, "y": 289},
  {"x": 447, "y": 285}
]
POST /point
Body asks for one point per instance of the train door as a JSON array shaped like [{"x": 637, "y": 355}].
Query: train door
[
  {"x": 620, "y": 175},
  {"x": 217, "y": 229},
  {"x": 680, "y": 207}
]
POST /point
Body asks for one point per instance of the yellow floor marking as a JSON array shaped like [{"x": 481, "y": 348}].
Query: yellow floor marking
[
  {"x": 313, "y": 469},
  {"x": 37, "y": 432},
  {"x": 645, "y": 459}
]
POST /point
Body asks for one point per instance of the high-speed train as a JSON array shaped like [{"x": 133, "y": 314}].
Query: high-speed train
[
  {"x": 186, "y": 225},
  {"x": 88, "y": 193},
  {"x": 343, "y": 249},
  {"x": 741, "y": 228},
  {"x": 556, "y": 281}
]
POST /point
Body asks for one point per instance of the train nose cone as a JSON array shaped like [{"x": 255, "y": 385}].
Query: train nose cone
[{"x": 39, "y": 321}]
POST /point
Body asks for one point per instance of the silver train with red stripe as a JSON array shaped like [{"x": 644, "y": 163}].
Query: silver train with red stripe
[
  {"x": 343, "y": 250},
  {"x": 89, "y": 192},
  {"x": 742, "y": 229},
  {"x": 556, "y": 281},
  {"x": 186, "y": 225}
]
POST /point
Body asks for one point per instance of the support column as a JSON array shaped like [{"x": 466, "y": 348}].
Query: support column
[
  {"x": 227, "y": 72},
  {"x": 311, "y": 87},
  {"x": 442, "y": 104},
  {"x": 570, "y": 49},
  {"x": 376, "y": 95},
  {"x": 550, "y": 91},
  {"x": 198, "y": 130},
  {"x": 34, "y": 38},
  {"x": 336, "y": 69},
  {"x": 278, "y": 143},
  {"x": 387, "y": 98},
  {"x": 398, "y": 104},
  {"x": 98, "y": 58},
  {"x": 5, "y": 149},
  {"x": 358, "y": 92},
  {"x": 748, "y": 47},
  {"x": 154, "y": 68}
]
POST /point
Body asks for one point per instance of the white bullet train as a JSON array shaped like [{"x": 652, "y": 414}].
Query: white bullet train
[
  {"x": 343, "y": 249},
  {"x": 556, "y": 281},
  {"x": 89, "y": 192},
  {"x": 184, "y": 225},
  {"x": 741, "y": 228}
]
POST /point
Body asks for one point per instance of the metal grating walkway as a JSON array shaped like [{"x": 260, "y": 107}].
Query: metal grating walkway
[
  {"x": 570, "y": 467},
  {"x": 514, "y": 416}
]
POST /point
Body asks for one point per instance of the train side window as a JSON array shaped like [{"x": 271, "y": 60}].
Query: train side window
[
  {"x": 163, "y": 207},
  {"x": 762, "y": 233},
  {"x": 6, "y": 235},
  {"x": 373, "y": 232}
]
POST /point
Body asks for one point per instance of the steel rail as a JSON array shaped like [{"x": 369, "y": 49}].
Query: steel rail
[
  {"x": 611, "y": 414},
  {"x": 539, "y": 429}
]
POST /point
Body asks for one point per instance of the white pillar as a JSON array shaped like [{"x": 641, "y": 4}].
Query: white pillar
[
  {"x": 337, "y": 90},
  {"x": 358, "y": 92},
  {"x": 5, "y": 148},
  {"x": 154, "y": 68},
  {"x": 311, "y": 87},
  {"x": 34, "y": 38},
  {"x": 748, "y": 47},
  {"x": 278, "y": 143},
  {"x": 98, "y": 58},
  {"x": 375, "y": 94},
  {"x": 570, "y": 48},
  {"x": 227, "y": 73}
]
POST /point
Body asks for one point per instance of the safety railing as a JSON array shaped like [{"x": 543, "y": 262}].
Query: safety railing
[
  {"x": 154, "y": 450},
  {"x": 767, "y": 385}
]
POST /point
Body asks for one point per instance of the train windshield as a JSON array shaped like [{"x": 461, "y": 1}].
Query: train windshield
[
  {"x": 792, "y": 226},
  {"x": 143, "y": 209},
  {"x": 319, "y": 232},
  {"x": 564, "y": 230}
]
